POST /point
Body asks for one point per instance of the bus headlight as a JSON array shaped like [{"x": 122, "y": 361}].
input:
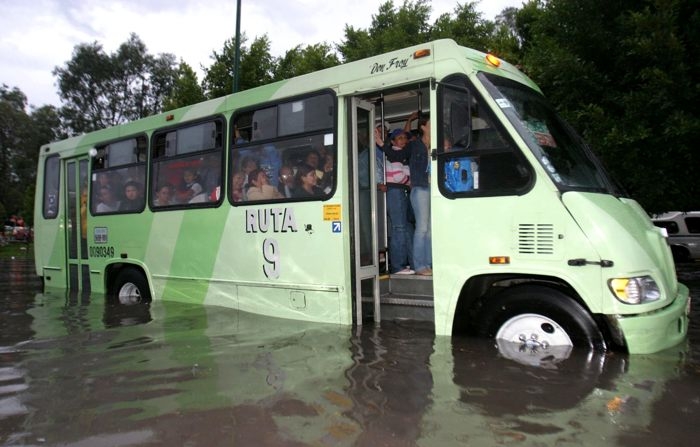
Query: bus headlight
[{"x": 637, "y": 290}]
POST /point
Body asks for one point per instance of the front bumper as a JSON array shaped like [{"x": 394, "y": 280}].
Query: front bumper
[{"x": 658, "y": 330}]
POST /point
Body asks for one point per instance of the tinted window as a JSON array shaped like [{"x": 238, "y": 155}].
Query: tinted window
[
  {"x": 693, "y": 224},
  {"x": 284, "y": 152},
  {"x": 119, "y": 176},
  {"x": 475, "y": 155},
  {"x": 671, "y": 226},
  {"x": 51, "y": 187},
  {"x": 187, "y": 166}
]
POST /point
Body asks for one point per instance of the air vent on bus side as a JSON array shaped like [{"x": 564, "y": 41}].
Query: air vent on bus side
[{"x": 536, "y": 239}]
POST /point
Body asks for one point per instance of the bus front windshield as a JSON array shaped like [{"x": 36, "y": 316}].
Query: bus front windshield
[{"x": 559, "y": 150}]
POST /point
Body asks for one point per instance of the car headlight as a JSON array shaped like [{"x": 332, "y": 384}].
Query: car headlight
[{"x": 637, "y": 290}]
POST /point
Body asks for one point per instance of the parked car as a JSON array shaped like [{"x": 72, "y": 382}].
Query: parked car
[{"x": 683, "y": 229}]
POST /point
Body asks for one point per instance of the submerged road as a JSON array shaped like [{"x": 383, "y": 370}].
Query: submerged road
[{"x": 77, "y": 372}]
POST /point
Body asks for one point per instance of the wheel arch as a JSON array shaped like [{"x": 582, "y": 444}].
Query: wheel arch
[
  {"x": 113, "y": 270},
  {"x": 680, "y": 253},
  {"x": 478, "y": 290}
]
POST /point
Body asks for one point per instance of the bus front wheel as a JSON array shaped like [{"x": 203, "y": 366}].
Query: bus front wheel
[
  {"x": 538, "y": 316},
  {"x": 131, "y": 287}
]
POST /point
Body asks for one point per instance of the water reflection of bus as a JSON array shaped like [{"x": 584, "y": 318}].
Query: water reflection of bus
[
  {"x": 543, "y": 249},
  {"x": 173, "y": 373}
]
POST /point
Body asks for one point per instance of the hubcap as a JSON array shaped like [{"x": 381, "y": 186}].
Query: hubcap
[
  {"x": 129, "y": 294},
  {"x": 533, "y": 332}
]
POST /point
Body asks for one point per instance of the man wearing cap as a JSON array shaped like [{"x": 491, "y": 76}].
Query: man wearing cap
[{"x": 397, "y": 203}]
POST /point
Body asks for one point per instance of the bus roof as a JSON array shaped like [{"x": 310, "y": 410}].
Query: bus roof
[{"x": 379, "y": 72}]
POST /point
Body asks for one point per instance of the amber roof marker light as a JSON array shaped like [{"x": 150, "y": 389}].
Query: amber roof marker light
[
  {"x": 493, "y": 60},
  {"x": 421, "y": 53}
]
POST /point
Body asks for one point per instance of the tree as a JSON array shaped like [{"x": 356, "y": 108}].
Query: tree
[
  {"x": 625, "y": 74},
  {"x": 301, "y": 60},
  {"x": 257, "y": 67},
  {"x": 391, "y": 29},
  {"x": 15, "y": 128},
  {"x": 467, "y": 28},
  {"x": 100, "y": 90},
  {"x": 186, "y": 90},
  {"x": 21, "y": 135}
]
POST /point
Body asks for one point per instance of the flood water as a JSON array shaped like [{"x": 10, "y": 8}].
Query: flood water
[{"x": 75, "y": 372}]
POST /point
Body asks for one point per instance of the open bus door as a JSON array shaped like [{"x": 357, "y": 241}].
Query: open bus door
[
  {"x": 76, "y": 213},
  {"x": 364, "y": 209}
]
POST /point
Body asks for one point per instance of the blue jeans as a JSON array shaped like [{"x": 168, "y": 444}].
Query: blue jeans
[
  {"x": 422, "y": 243},
  {"x": 401, "y": 231}
]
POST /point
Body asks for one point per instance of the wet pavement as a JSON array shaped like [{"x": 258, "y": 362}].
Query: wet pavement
[{"x": 77, "y": 372}]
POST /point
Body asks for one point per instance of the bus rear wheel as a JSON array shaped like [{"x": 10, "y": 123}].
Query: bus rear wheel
[
  {"x": 131, "y": 287},
  {"x": 538, "y": 317}
]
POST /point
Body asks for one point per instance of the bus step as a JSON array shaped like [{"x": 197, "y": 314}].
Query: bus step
[
  {"x": 402, "y": 307},
  {"x": 406, "y": 285}
]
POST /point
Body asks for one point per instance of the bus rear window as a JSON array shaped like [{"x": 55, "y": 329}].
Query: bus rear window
[{"x": 51, "y": 187}]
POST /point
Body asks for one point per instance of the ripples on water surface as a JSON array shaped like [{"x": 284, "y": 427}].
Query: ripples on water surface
[{"x": 76, "y": 372}]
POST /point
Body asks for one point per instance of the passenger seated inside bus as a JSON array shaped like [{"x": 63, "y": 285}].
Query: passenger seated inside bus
[
  {"x": 323, "y": 165},
  {"x": 164, "y": 195},
  {"x": 133, "y": 197},
  {"x": 306, "y": 182},
  {"x": 210, "y": 176},
  {"x": 111, "y": 180},
  {"x": 108, "y": 202},
  {"x": 260, "y": 188},
  {"x": 248, "y": 165},
  {"x": 237, "y": 191},
  {"x": 265, "y": 157},
  {"x": 326, "y": 183},
  {"x": 313, "y": 159},
  {"x": 286, "y": 181},
  {"x": 191, "y": 190}
]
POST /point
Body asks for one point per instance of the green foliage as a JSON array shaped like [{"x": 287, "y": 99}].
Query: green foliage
[
  {"x": 467, "y": 28},
  {"x": 391, "y": 29},
  {"x": 186, "y": 89},
  {"x": 257, "y": 67},
  {"x": 100, "y": 90},
  {"x": 20, "y": 137},
  {"x": 15, "y": 131},
  {"x": 301, "y": 60},
  {"x": 17, "y": 250},
  {"x": 218, "y": 78},
  {"x": 625, "y": 75}
]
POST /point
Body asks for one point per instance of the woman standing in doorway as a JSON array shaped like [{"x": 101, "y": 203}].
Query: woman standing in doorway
[{"x": 419, "y": 164}]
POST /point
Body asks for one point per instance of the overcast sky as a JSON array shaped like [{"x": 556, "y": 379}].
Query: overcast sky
[{"x": 38, "y": 35}]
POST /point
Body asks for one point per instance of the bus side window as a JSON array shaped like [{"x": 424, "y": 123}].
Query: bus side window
[
  {"x": 288, "y": 141},
  {"x": 119, "y": 176},
  {"x": 187, "y": 166},
  {"x": 476, "y": 158}
]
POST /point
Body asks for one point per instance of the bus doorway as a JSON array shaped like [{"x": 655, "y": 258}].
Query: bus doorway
[
  {"x": 76, "y": 213},
  {"x": 364, "y": 212}
]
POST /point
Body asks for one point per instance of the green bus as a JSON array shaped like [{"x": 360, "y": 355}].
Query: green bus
[{"x": 204, "y": 204}]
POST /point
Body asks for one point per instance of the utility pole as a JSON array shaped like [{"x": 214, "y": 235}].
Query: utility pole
[{"x": 237, "y": 61}]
